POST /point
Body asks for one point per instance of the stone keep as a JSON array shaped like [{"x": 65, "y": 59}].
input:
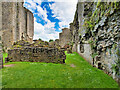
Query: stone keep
[
  {"x": 16, "y": 20},
  {"x": 64, "y": 37}
]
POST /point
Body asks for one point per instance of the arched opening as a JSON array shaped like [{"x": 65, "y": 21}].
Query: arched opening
[
  {"x": 100, "y": 65},
  {"x": 81, "y": 48}
]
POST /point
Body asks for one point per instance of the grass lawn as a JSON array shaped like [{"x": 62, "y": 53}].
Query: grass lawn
[
  {"x": 48, "y": 75},
  {"x": 4, "y": 56}
]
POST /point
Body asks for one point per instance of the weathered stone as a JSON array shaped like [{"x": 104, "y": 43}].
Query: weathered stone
[
  {"x": 112, "y": 39},
  {"x": 64, "y": 37},
  {"x": 100, "y": 32},
  {"x": 111, "y": 11},
  {"x": 102, "y": 43},
  {"x": 116, "y": 28},
  {"x": 96, "y": 27},
  {"x": 37, "y": 54},
  {"x": 113, "y": 23},
  {"x": 102, "y": 22},
  {"x": 117, "y": 36},
  {"x": 17, "y": 23},
  {"x": 102, "y": 36},
  {"x": 99, "y": 47},
  {"x": 39, "y": 51},
  {"x": 96, "y": 33},
  {"x": 110, "y": 30},
  {"x": 109, "y": 43},
  {"x": 97, "y": 58}
]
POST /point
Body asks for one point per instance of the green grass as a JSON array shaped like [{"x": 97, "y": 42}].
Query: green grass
[
  {"x": 48, "y": 75},
  {"x": 4, "y": 56}
]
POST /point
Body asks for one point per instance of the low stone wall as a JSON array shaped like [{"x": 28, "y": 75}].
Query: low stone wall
[{"x": 37, "y": 54}]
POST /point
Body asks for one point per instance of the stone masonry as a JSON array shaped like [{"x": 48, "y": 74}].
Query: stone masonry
[
  {"x": 17, "y": 21},
  {"x": 1, "y": 61},
  {"x": 96, "y": 35},
  {"x": 33, "y": 54},
  {"x": 55, "y": 43},
  {"x": 25, "y": 52},
  {"x": 64, "y": 37}
]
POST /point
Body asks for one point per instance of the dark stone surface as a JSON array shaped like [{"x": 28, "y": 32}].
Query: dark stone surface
[{"x": 37, "y": 54}]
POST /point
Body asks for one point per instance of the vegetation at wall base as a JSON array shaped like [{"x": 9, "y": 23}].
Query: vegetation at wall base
[{"x": 4, "y": 56}]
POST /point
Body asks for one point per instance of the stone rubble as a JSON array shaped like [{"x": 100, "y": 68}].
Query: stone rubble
[{"x": 36, "y": 52}]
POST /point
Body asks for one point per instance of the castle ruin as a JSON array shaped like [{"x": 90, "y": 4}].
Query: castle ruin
[
  {"x": 17, "y": 23},
  {"x": 64, "y": 37},
  {"x": 95, "y": 34}
]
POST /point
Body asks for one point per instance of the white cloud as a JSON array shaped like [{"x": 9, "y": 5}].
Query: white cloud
[
  {"x": 64, "y": 11},
  {"x": 39, "y": 1},
  {"x": 31, "y": 5},
  {"x": 45, "y": 32},
  {"x": 63, "y": 1},
  {"x": 42, "y": 13}
]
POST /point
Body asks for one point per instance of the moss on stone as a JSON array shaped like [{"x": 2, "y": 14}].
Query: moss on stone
[
  {"x": 17, "y": 46},
  {"x": 114, "y": 46},
  {"x": 118, "y": 52}
]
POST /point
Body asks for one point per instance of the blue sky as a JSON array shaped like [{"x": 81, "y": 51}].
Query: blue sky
[{"x": 50, "y": 16}]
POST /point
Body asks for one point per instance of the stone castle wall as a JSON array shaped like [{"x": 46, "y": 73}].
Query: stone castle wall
[
  {"x": 64, "y": 37},
  {"x": 96, "y": 35},
  {"x": 55, "y": 43},
  {"x": 85, "y": 51},
  {"x": 16, "y": 21}
]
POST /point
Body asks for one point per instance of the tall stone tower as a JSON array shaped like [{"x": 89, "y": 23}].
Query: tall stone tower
[
  {"x": 16, "y": 21},
  {"x": 65, "y": 37}
]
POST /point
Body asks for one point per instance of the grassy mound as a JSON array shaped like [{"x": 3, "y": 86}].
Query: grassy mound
[{"x": 76, "y": 73}]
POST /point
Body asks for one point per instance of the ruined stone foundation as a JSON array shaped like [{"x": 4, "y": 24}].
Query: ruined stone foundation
[
  {"x": 39, "y": 51},
  {"x": 41, "y": 54}
]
